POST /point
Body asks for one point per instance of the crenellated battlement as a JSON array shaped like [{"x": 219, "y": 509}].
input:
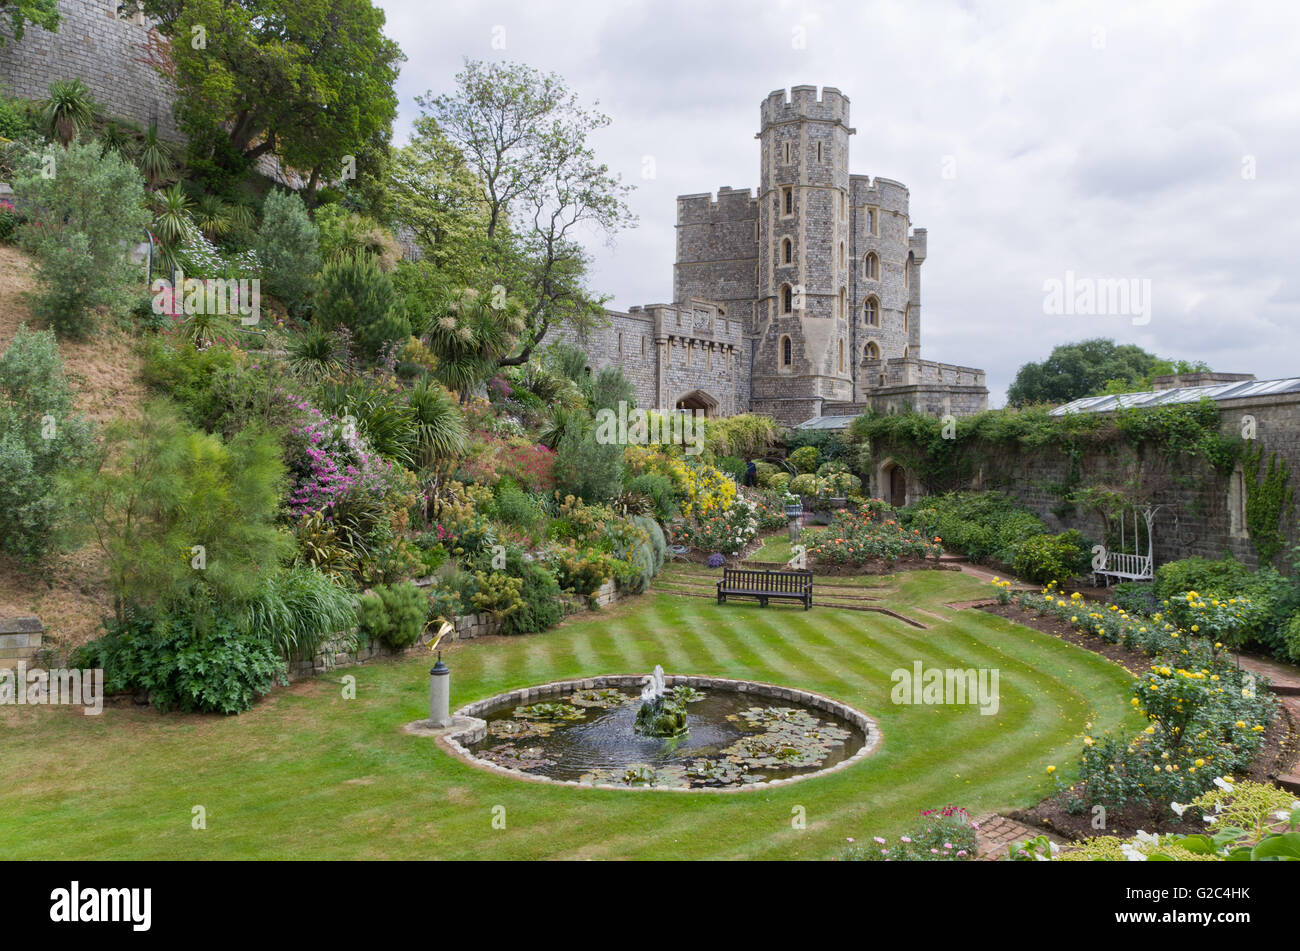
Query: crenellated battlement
[
  {"x": 802, "y": 103},
  {"x": 704, "y": 207}
]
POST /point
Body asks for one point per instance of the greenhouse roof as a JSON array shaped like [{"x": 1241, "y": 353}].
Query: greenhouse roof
[
  {"x": 1181, "y": 394},
  {"x": 826, "y": 422}
]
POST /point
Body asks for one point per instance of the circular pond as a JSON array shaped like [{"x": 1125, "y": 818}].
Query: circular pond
[{"x": 738, "y": 734}]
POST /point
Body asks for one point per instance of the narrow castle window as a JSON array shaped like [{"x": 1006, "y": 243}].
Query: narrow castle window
[
  {"x": 787, "y": 352},
  {"x": 871, "y": 312},
  {"x": 787, "y": 299},
  {"x": 872, "y": 352},
  {"x": 819, "y": 152},
  {"x": 787, "y": 198},
  {"x": 872, "y": 266},
  {"x": 841, "y": 355},
  {"x": 843, "y": 260},
  {"x": 620, "y": 344},
  {"x": 643, "y": 345},
  {"x": 785, "y": 153},
  {"x": 787, "y": 250},
  {"x": 871, "y": 221}
]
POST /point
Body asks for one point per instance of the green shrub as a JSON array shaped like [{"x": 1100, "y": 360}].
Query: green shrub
[
  {"x": 541, "y": 606},
  {"x": 393, "y": 614},
  {"x": 185, "y": 518},
  {"x": 764, "y": 471},
  {"x": 287, "y": 246},
  {"x": 1224, "y": 577},
  {"x": 81, "y": 221},
  {"x": 806, "y": 458},
  {"x": 297, "y": 609},
  {"x": 732, "y": 466},
  {"x": 354, "y": 293},
  {"x": 779, "y": 482},
  {"x": 610, "y": 388},
  {"x": 805, "y": 484},
  {"x": 586, "y": 468},
  {"x": 981, "y": 525},
  {"x": 513, "y": 506},
  {"x": 220, "y": 669},
  {"x": 1045, "y": 558},
  {"x": 659, "y": 490},
  {"x": 42, "y": 442},
  {"x": 1291, "y": 634}
]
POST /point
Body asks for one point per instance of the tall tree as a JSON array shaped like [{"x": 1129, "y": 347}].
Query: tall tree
[
  {"x": 1090, "y": 368},
  {"x": 524, "y": 137},
  {"x": 309, "y": 80}
]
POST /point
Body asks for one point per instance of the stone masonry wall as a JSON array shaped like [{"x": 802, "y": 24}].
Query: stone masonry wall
[
  {"x": 1202, "y": 512},
  {"x": 94, "y": 45}
]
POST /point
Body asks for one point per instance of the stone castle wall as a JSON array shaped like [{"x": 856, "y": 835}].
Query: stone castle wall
[
  {"x": 102, "y": 50},
  {"x": 693, "y": 351}
]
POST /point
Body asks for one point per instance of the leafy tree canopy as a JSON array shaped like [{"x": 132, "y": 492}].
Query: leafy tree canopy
[
  {"x": 1091, "y": 368},
  {"x": 531, "y": 182},
  {"x": 309, "y": 80}
]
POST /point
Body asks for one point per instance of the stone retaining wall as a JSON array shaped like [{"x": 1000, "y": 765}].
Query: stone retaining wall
[
  {"x": 20, "y": 639},
  {"x": 340, "y": 651}
]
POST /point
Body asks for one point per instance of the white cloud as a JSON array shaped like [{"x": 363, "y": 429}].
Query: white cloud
[{"x": 1107, "y": 138}]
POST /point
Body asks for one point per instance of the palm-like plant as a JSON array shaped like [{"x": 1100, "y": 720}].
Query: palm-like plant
[
  {"x": 68, "y": 112},
  {"x": 172, "y": 210},
  {"x": 386, "y": 422},
  {"x": 441, "y": 435},
  {"x": 120, "y": 138},
  {"x": 212, "y": 215},
  {"x": 155, "y": 157},
  {"x": 315, "y": 354},
  {"x": 468, "y": 334}
]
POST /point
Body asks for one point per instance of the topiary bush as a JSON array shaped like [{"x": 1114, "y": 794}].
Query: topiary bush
[
  {"x": 393, "y": 614},
  {"x": 806, "y": 458},
  {"x": 805, "y": 484}
]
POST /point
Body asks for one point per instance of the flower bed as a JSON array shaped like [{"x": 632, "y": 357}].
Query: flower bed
[
  {"x": 1205, "y": 716},
  {"x": 855, "y": 539}
]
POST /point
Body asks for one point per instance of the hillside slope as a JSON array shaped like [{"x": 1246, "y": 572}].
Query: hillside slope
[{"x": 104, "y": 370}]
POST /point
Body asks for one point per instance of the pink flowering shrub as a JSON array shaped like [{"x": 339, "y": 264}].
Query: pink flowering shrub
[{"x": 327, "y": 461}]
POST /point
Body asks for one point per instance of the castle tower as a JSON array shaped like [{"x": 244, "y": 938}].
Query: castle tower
[{"x": 804, "y": 334}]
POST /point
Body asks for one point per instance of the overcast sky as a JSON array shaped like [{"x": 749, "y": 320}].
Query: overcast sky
[{"x": 1140, "y": 141}]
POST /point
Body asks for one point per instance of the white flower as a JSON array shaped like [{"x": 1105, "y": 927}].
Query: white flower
[
  {"x": 1147, "y": 838},
  {"x": 1132, "y": 854},
  {"x": 1210, "y": 819},
  {"x": 1178, "y": 807},
  {"x": 1223, "y": 784}
]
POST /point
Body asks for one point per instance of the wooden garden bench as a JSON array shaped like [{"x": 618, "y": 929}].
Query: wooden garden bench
[{"x": 765, "y": 584}]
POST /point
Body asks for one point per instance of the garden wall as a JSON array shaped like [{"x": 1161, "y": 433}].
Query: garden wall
[
  {"x": 105, "y": 52},
  {"x": 1202, "y": 511}
]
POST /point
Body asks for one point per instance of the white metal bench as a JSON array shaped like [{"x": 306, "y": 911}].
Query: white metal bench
[{"x": 1130, "y": 567}]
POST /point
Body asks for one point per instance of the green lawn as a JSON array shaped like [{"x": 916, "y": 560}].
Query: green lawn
[{"x": 308, "y": 774}]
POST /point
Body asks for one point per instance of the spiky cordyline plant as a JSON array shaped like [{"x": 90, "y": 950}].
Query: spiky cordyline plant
[
  {"x": 68, "y": 112},
  {"x": 155, "y": 157}
]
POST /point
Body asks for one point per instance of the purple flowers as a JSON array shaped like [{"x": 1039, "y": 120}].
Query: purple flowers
[
  {"x": 716, "y": 561},
  {"x": 328, "y": 461}
]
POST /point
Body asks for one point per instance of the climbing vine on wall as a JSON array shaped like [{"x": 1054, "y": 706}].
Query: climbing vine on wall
[
  {"x": 944, "y": 456},
  {"x": 1270, "y": 502}
]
